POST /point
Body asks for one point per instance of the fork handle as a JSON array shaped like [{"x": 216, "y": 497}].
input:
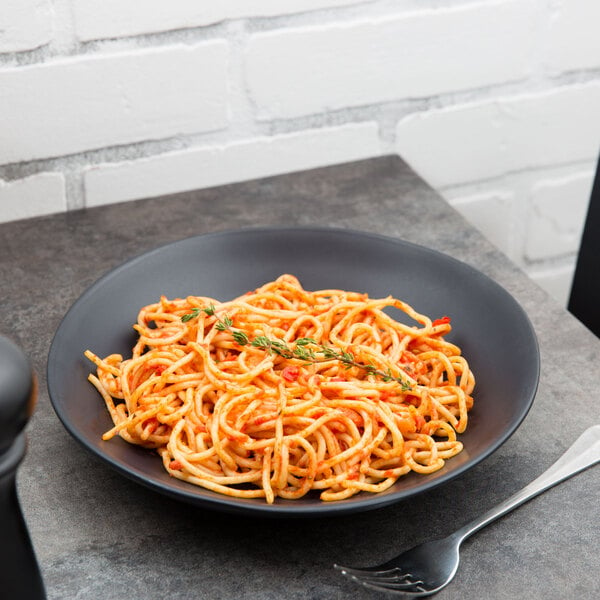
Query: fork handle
[{"x": 584, "y": 453}]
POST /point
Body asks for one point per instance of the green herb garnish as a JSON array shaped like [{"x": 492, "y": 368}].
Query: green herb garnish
[
  {"x": 209, "y": 310},
  {"x": 301, "y": 351}
]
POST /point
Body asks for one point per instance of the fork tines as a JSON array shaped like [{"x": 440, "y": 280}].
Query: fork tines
[{"x": 384, "y": 579}]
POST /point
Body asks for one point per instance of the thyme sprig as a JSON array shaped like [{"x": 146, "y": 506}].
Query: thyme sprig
[
  {"x": 301, "y": 350},
  {"x": 209, "y": 310}
]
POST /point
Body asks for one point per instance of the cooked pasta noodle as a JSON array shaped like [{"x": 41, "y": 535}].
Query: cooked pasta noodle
[{"x": 283, "y": 391}]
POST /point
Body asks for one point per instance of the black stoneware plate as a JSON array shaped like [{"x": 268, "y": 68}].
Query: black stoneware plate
[{"x": 491, "y": 328}]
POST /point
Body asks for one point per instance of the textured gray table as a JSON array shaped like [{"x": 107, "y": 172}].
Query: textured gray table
[{"x": 99, "y": 536}]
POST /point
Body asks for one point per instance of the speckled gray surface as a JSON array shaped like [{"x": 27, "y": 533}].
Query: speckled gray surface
[{"x": 99, "y": 536}]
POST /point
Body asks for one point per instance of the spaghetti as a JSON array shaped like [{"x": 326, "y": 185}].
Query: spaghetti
[{"x": 283, "y": 391}]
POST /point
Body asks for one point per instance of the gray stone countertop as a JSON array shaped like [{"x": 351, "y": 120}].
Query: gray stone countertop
[{"x": 99, "y": 535}]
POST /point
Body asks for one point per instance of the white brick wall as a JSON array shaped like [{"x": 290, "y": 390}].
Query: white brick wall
[
  {"x": 496, "y": 103},
  {"x": 76, "y": 104},
  {"x": 298, "y": 72},
  {"x": 237, "y": 161},
  {"x": 557, "y": 212},
  {"x": 101, "y": 19},
  {"x": 24, "y": 25},
  {"x": 40, "y": 194},
  {"x": 575, "y": 44},
  {"x": 481, "y": 140}
]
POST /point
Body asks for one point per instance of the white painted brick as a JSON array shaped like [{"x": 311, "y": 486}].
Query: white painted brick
[
  {"x": 24, "y": 25},
  {"x": 78, "y": 104},
  {"x": 574, "y": 42},
  {"x": 40, "y": 194},
  {"x": 100, "y": 19},
  {"x": 491, "y": 213},
  {"x": 237, "y": 161},
  {"x": 308, "y": 70},
  {"x": 481, "y": 140},
  {"x": 556, "y": 282},
  {"x": 558, "y": 211}
]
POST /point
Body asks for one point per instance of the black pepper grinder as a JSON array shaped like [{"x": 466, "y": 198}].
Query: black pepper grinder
[{"x": 20, "y": 577}]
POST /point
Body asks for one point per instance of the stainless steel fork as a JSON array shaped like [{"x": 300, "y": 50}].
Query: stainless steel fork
[{"x": 427, "y": 568}]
